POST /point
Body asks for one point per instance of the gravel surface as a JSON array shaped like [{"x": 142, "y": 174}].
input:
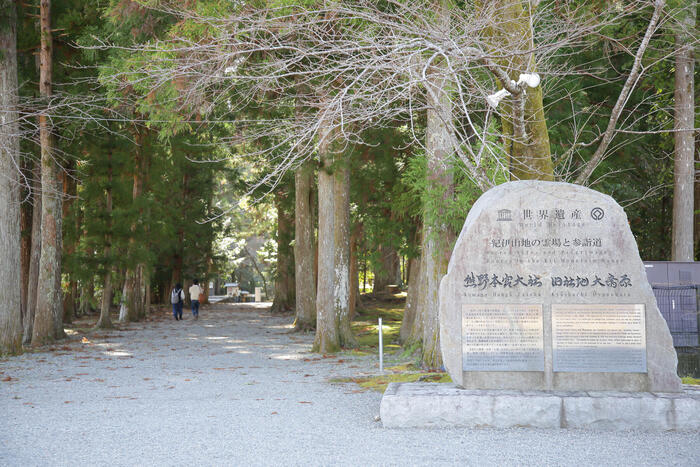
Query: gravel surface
[{"x": 236, "y": 387}]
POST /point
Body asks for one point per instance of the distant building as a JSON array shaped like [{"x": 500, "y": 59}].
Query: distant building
[{"x": 232, "y": 289}]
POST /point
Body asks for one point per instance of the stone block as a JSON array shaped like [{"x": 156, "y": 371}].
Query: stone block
[
  {"x": 614, "y": 412},
  {"x": 446, "y": 405}
]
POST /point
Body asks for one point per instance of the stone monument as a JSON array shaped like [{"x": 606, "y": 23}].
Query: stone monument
[
  {"x": 547, "y": 320},
  {"x": 545, "y": 290}
]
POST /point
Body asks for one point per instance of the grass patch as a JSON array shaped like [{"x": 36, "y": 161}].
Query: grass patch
[
  {"x": 406, "y": 367},
  {"x": 380, "y": 382},
  {"x": 357, "y": 352},
  {"x": 366, "y": 328},
  {"x": 689, "y": 380}
]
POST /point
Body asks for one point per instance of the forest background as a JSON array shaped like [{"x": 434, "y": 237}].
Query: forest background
[{"x": 319, "y": 149}]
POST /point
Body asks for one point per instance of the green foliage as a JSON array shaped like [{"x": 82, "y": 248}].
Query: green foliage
[
  {"x": 639, "y": 173},
  {"x": 218, "y": 218},
  {"x": 376, "y": 190}
]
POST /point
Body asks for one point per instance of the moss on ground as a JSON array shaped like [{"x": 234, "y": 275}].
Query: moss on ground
[
  {"x": 689, "y": 380},
  {"x": 380, "y": 382},
  {"x": 366, "y": 328},
  {"x": 357, "y": 352}
]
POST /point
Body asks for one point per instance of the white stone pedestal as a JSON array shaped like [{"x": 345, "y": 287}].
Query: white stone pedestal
[{"x": 446, "y": 405}]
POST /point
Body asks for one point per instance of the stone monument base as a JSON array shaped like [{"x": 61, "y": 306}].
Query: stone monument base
[{"x": 446, "y": 405}]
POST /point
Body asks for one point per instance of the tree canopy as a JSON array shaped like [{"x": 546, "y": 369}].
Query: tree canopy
[{"x": 232, "y": 141}]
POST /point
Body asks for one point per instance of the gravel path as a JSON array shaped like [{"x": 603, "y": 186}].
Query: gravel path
[{"x": 236, "y": 388}]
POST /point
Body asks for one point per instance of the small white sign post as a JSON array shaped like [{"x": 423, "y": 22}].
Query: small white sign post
[{"x": 381, "y": 348}]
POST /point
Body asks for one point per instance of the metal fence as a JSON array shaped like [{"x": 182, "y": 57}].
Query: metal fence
[{"x": 679, "y": 306}]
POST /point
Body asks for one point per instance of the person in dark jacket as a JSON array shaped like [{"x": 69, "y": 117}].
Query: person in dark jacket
[{"x": 177, "y": 298}]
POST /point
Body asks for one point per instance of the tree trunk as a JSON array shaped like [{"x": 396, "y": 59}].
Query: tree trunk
[
  {"x": 205, "y": 282},
  {"x": 355, "y": 301},
  {"x": 122, "y": 305},
  {"x": 35, "y": 256},
  {"x": 10, "y": 265},
  {"x": 388, "y": 271},
  {"x": 333, "y": 297},
  {"x": 133, "y": 299},
  {"x": 25, "y": 244},
  {"x": 326, "y": 339},
  {"x": 341, "y": 291},
  {"x": 48, "y": 321},
  {"x": 176, "y": 274},
  {"x": 411, "y": 324},
  {"x": 284, "y": 280},
  {"x": 87, "y": 295},
  {"x": 70, "y": 299},
  {"x": 304, "y": 250},
  {"x": 697, "y": 210},
  {"x": 70, "y": 302},
  {"x": 165, "y": 288},
  {"x": 105, "y": 321},
  {"x": 409, "y": 313},
  {"x": 437, "y": 254},
  {"x": 420, "y": 298},
  {"x": 684, "y": 166},
  {"x": 133, "y": 293},
  {"x": 145, "y": 291},
  {"x": 438, "y": 238},
  {"x": 527, "y": 137}
]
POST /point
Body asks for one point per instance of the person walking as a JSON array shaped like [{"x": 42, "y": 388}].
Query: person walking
[
  {"x": 195, "y": 293},
  {"x": 177, "y": 297}
]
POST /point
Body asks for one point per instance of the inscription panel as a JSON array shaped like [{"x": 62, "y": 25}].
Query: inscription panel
[
  {"x": 599, "y": 338},
  {"x": 502, "y": 337}
]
